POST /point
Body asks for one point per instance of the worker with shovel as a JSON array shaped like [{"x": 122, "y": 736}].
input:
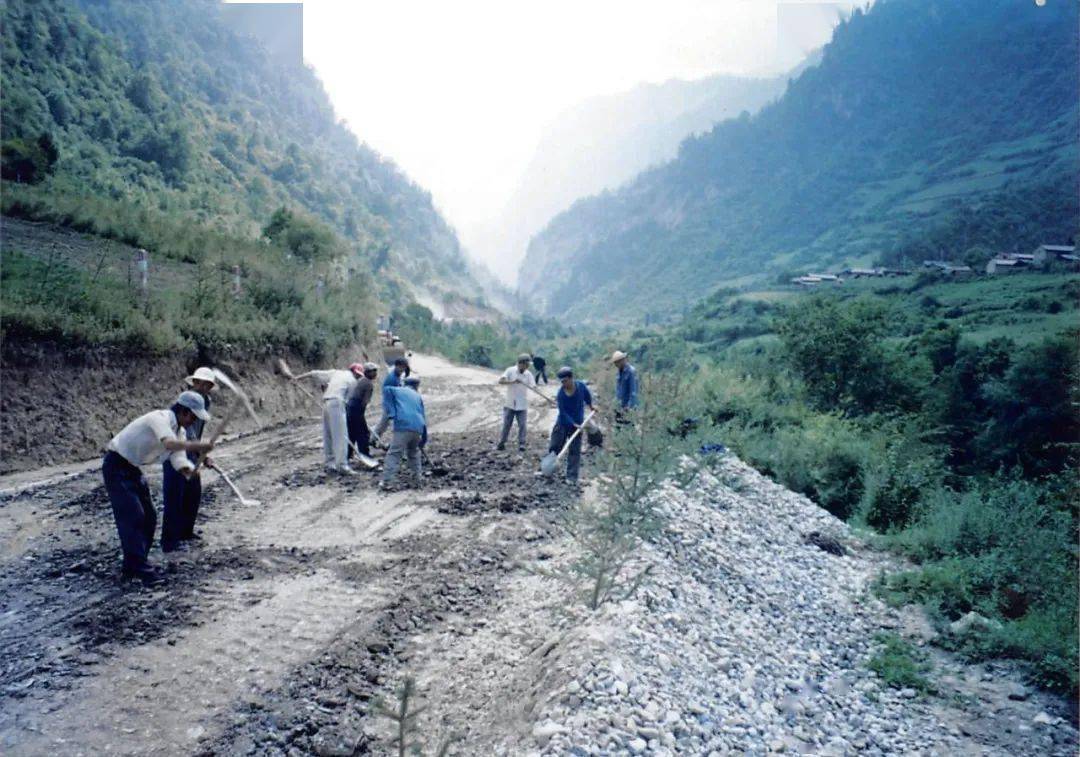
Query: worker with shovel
[
  {"x": 517, "y": 379},
  {"x": 572, "y": 400},
  {"x": 148, "y": 439},
  {"x": 182, "y": 492},
  {"x": 405, "y": 407},
  {"x": 393, "y": 379},
  {"x": 356, "y": 409},
  {"x": 338, "y": 384}
]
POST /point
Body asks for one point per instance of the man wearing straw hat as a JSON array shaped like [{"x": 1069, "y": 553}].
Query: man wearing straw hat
[
  {"x": 518, "y": 380},
  {"x": 626, "y": 385},
  {"x": 182, "y": 491}
]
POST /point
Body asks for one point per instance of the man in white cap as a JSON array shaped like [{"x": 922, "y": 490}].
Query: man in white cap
[
  {"x": 148, "y": 439},
  {"x": 517, "y": 379},
  {"x": 626, "y": 384},
  {"x": 182, "y": 494},
  {"x": 356, "y": 409},
  {"x": 337, "y": 385}
]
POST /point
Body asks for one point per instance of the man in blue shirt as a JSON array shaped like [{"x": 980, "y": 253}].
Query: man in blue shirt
[
  {"x": 626, "y": 384},
  {"x": 405, "y": 406},
  {"x": 393, "y": 378},
  {"x": 573, "y": 398}
]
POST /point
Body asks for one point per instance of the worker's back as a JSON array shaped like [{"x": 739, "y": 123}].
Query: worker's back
[{"x": 405, "y": 405}]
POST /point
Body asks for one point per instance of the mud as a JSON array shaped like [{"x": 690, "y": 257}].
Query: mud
[{"x": 275, "y": 633}]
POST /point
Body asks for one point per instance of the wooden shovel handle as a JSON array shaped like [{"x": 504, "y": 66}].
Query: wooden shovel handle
[{"x": 575, "y": 435}]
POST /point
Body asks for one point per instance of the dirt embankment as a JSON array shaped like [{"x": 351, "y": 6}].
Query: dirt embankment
[{"x": 61, "y": 405}]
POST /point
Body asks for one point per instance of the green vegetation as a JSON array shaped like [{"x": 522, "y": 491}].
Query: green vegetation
[
  {"x": 943, "y": 415},
  {"x": 153, "y": 124},
  {"x": 929, "y": 130},
  {"x": 900, "y": 665}
]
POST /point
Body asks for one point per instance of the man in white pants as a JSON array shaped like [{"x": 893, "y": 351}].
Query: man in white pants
[
  {"x": 517, "y": 379},
  {"x": 337, "y": 385}
]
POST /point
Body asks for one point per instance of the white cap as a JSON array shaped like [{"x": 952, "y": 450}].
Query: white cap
[
  {"x": 194, "y": 402},
  {"x": 203, "y": 374}
]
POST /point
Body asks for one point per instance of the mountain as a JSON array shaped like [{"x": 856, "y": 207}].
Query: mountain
[
  {"x": 162, "y": 105},
  {"x": 947, "y": 119},
  {"x": 603, "y": 142}
]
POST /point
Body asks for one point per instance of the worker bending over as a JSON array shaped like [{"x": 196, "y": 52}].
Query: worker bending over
[
  {"x": 572, "y": 400},
  {"x": 338, "y": 384},
  {"x": 148, "y": 439},
  {"x": 182, "y": 494},
  {"x": 517, "y": 380},
  {"x": 405, "y": 407},
  {"x": 393, "y": 379},
  {"x": 356, "y": 409}
]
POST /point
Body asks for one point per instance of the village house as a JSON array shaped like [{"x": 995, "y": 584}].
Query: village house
[
  {"x": 1046, "y": 253},
  {"x": 1004, "y": 265}
]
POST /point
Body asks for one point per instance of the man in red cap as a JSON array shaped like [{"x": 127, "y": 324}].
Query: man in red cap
[{"x": 337, "y": 385}]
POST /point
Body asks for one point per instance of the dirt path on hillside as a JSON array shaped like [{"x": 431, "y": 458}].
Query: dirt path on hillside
[{"x": 279, "y": 628}]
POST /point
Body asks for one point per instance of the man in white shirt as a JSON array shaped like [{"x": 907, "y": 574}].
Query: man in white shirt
[
  {"x": 149, "y": 439},
  {"x": 337, "y": 385},
  {"x": 517, "y": 380}
]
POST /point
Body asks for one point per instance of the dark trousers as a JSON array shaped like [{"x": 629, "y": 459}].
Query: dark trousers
[
  {"x": 541, "y": 375},
  {"x": 509, "y": 415},
  {"x": 358, "y": 429},
  {"x": 559, "y": 435},
  {"x": 182, "y": 497},
  {"x": 133, "y": 509}
]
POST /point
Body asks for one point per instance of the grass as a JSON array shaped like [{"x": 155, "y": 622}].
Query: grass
[{"x": 901, "y": 665}]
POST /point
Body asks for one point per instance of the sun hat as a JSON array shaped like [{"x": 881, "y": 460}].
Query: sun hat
[
  {"x": 202, "y": 374},
  {"x": 565, "y": 372},
  {"x": 618, "y": 355},
  {"x": 412, "y": 381},
  {"x": 194, "y": 402}
]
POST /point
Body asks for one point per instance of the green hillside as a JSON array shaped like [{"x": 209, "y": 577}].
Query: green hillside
[
  {"x": 930, "y": 127},
  {"x": 153, "y": 123}
]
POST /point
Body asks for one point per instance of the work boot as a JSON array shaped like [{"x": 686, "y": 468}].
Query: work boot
[
  {"x": 149, "y": 574},
  {"x": 346, "y": 470},
  {"x": 500, "y": 447}
]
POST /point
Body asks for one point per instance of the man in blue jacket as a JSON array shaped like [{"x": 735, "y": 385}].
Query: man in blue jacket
[
  {"x": 573, "y": 398},
  {"x": 394, "y": 378},
  {"x": 405, "y": 407}
]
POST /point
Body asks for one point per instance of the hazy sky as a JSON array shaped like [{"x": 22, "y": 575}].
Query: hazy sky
[{"x": 457, "y": 92}]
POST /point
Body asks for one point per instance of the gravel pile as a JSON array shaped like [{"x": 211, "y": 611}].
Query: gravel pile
[{"x": 749, "y": 638}]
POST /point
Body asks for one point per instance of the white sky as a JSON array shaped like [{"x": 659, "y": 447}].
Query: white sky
[{"x": 457, "y": 92}]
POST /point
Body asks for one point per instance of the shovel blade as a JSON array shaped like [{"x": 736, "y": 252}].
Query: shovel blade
[{"x": 548, "y": 463}]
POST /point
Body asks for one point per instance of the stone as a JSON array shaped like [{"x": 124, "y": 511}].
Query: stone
[
  {"x": 543, "y": 732},
  {"x": 1044, "y": 719},
  {"x": 636, "y": 746},
  {"x": 1018, "y": 692}
]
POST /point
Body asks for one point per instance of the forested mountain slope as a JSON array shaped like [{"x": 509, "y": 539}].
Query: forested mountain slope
[
  {"x": 159, "y": 105},
  {"x": 946, "y": 120},
  {"x": 603, "y": 142}
]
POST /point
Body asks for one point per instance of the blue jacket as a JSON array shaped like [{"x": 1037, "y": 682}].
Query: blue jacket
[
  {"x": 392, "y": 379},
  {"x": 626, "y": 387},
  {"x": 572, "y": 409},
  {"x": 405, "y": 406}
]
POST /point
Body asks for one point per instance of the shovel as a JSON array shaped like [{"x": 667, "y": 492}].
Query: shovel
[
  {"x": 550, "y": 461},
  {"x": 243, "y": 500},
  {"x": 366, "y": 460}
]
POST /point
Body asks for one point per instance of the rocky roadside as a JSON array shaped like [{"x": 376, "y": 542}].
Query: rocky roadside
[{"x": 752, "y": 637}]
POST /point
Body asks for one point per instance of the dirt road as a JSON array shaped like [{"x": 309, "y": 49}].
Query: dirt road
[{"x": 273, "y": 634}]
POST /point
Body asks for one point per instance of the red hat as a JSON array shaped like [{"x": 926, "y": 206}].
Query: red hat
[{"x": 356, "y": 368}]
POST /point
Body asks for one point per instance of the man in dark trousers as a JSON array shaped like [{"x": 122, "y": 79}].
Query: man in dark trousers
[
  {"x": 540, "y": 364},
  {"x": 356, "y": 407},
  {"x": 148, "y": 439},
  {"x": 182, "y": 493},
  {"x": 573, "y": 399}
]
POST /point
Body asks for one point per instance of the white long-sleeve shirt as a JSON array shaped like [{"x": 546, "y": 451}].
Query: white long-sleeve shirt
[
  {"x": 517, "y": 396},
  {"x": 338, "y": 383}
]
